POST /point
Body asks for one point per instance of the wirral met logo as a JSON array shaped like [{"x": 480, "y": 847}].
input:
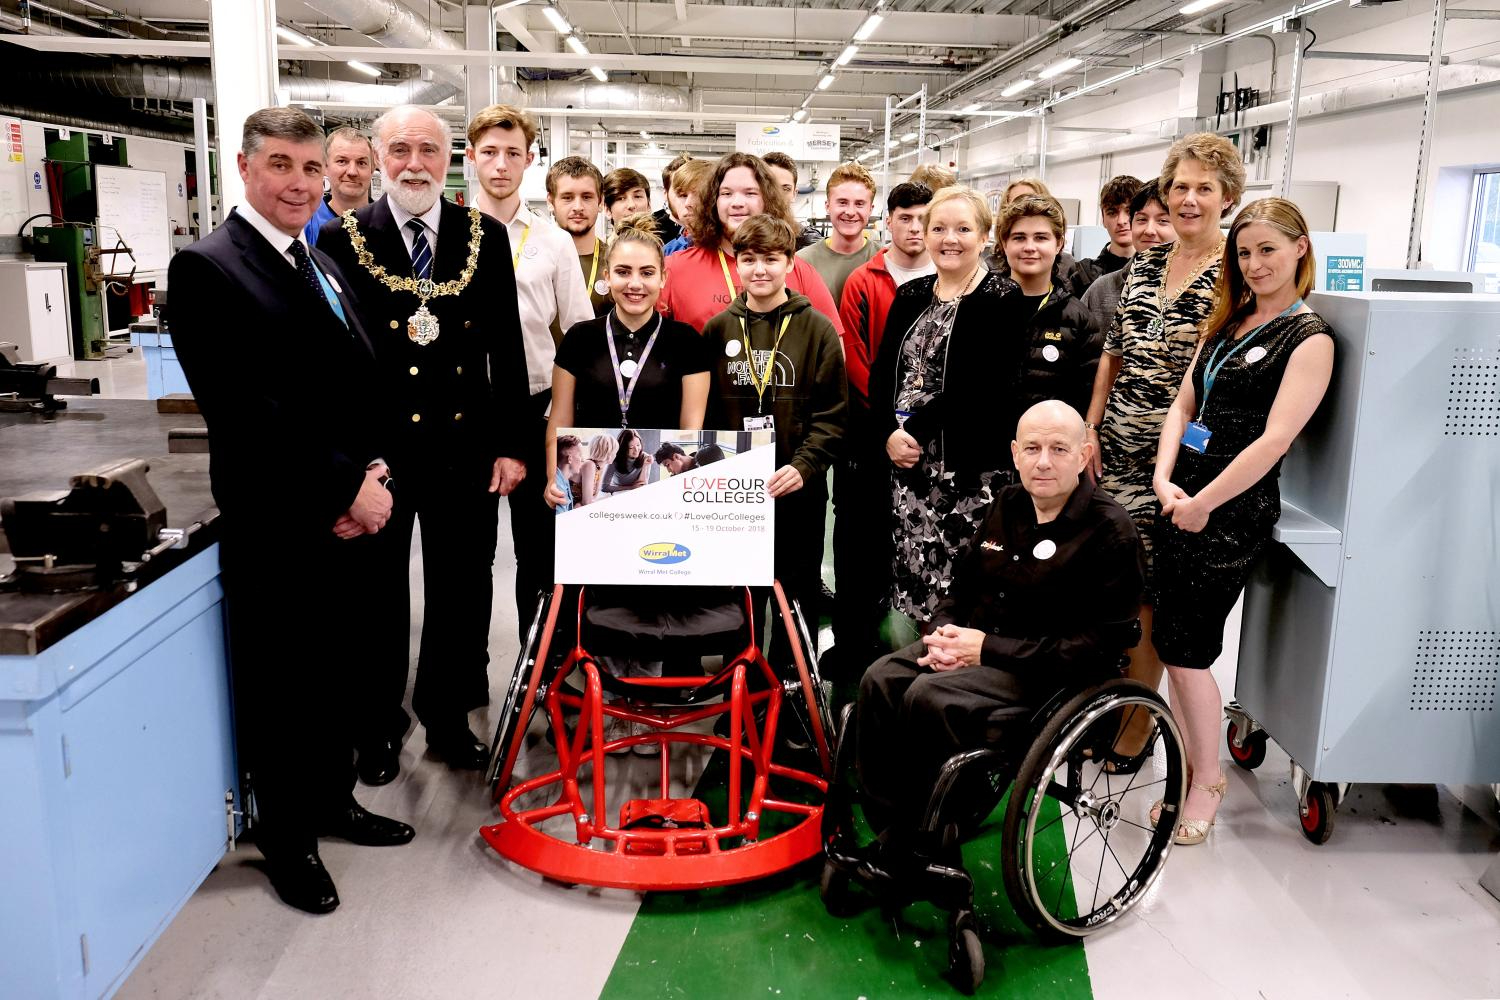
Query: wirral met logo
[{"x": 665, "y": 553}]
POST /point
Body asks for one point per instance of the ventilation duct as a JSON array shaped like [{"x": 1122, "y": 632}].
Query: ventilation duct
[
  {"x": 647, "y": 98},
  {"x": 394, "y": 25}
]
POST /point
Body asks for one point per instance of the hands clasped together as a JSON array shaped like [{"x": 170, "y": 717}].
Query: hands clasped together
[{"x": 950, "y": 647}]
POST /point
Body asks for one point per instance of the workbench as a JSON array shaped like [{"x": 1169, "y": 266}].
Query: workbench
[{"x": 117, "y": 766}]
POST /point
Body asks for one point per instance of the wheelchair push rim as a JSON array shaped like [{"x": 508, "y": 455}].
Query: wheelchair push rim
[{"x": 1112, "y": 852}]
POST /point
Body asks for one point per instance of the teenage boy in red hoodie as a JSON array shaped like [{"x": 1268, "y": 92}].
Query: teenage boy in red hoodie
[
  {"x": 781, "y": 368},
  {"x": 859, "y": 585}
]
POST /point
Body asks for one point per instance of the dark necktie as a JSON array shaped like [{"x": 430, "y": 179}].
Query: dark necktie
[
  {"x": 305, "y": 268},
  {"x": 421, "y": 253}
]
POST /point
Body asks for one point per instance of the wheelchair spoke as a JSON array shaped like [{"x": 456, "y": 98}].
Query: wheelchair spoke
[
  {"x": 1099, "y": 876},
  {"x": 1116, "y": 858},
  {"x": 1147, "y": 829},
  {"x": 1135, "y": 788}
]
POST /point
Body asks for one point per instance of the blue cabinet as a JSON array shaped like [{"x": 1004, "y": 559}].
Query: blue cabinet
[{"x": 116, "y": 753}]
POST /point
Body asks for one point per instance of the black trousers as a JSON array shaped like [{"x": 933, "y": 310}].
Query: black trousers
[
  {"x": 862, "y": 527},
  {"x": 911, "y": 720},
  {"x": 460, "y": 521},
  {"x": 298, "y": 643},
  {"x": 531, "y": 520}
]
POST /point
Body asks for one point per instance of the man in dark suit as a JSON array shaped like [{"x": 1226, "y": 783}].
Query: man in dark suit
[
  {"x": 282, "y": 371},
  {"x": 455, "y": 406}
]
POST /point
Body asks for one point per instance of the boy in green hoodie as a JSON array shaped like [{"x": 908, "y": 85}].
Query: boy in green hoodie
[{"x": 781, "y": 368}]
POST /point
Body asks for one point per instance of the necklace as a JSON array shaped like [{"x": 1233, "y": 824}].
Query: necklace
[
  {"x": 1158, "y": 324},
  {"x": 422, "y": 325},
  {"x": 963, "y": 289}
]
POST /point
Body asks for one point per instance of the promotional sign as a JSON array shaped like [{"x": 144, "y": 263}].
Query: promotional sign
[
  {"x": 666, "y": 507},
  {"x": 800, "y": 142},
  {"x": 1346, "y": 274}
]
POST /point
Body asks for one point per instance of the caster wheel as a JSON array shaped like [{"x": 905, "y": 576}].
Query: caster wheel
[
  {"x": 1252, "y": 754},
  {"x": 833, "y": 890},
  {"x": 1317, "y": 816},
  {"x": 965, "y": 954}
]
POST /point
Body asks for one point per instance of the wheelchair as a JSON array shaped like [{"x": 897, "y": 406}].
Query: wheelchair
[
  {"x": 1078, "y": 848},
  {"x": 557, "y": 823}
]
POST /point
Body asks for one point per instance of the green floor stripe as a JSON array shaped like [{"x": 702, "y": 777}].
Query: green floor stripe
[{"x": 774, "y": 939}]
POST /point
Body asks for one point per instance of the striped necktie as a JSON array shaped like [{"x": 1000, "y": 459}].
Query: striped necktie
[{"x": 421, "y": 252}]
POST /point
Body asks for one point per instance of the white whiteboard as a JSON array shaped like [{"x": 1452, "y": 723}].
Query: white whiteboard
[{"x": 133, "y": 208}]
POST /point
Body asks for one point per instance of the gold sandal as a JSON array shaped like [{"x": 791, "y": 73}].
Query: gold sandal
[{"x": 1195, "y": 831}]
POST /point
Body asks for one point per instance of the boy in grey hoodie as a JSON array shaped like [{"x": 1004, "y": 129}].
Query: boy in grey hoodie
[{"x": 781, "y": 367}]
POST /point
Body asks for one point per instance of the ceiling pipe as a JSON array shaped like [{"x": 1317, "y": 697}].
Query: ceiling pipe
[{"x": 393, "y": 25}]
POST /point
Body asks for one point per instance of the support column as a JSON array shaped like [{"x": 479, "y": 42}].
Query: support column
[
  {"x": 242, "y": 42},
  {"x": 1198, "y": 91},
  {"x": 479, "y": 77},
  {"x": 203, "y": 172},
  {"x": 1294, "y": 109},
  {"x": 557, "y": 138},
  {"x": 1424, "y": 142}
]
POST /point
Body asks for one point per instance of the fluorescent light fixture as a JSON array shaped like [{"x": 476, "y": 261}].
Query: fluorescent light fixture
[
  {"x": 599, "y": 74},
  {"x": 867, "y": 28},
  {"x": 576, "y": 44},
  {"x": 909, "y": 137},
  {"x": 645, "y": 135},
  {"x": 846, "y": 55},
  {"x": 287, "y": 35},
  {"x": 868, "y": 154},
  {"x": 891, "y": 144},
  {"x": 1063, "y": 65},
  {"x": 826, "y": 82},
  {"x": 800, "y": 115},
  {"x": 559, "y": 22},
  {"x": 1017, "y": 87},
  {"x": 364, "y": 68},
  {"x": 970, "y": 109},
  {"x": 1196, "y": 7}
]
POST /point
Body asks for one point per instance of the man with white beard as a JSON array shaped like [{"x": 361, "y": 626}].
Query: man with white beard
[{"x": 436, "y": 289}]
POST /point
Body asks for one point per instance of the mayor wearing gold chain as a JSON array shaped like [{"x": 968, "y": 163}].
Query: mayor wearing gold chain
[
  {"x": 436, "y": 289},
  {"x": 1169, "y": 292}
]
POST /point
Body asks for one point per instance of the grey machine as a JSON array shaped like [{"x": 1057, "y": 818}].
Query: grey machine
[{"x": 1370, "y": 649}]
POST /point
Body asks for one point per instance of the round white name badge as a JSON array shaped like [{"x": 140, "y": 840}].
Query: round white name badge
[
  {"x": 1254, "y": 354},
  {"x": 1051, "y": 353},
  {"x": 601, "y": 287},
  {"x": 732, "y": 349},
  {"x": 628, "y": 367},
  {"x": 1045, "y": 549}
]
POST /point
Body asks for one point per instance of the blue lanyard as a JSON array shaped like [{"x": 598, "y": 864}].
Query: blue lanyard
[{"x": 1211, "y": 371}]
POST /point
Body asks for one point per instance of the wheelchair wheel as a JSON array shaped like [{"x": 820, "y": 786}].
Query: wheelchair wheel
[
  {"x": 834, "y": 891},
  {"x": 1078, "y": 845},
  {"x": 965, "y": 953},
  {"x": 511, "y": 726}
]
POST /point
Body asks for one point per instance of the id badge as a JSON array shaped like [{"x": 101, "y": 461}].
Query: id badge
[
  {"x": 1196, "y": 437},
  {"x": 763, "y": 423}
]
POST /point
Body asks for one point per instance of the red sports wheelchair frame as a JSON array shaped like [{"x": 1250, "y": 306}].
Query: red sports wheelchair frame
[{"x": 679, "y": 846}]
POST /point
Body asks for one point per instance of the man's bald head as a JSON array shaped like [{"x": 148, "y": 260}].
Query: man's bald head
[
  {"x": 1052, "y": 414},
  {"x": 1051, "y": 450},
  {"x": 408, "y": 118}
]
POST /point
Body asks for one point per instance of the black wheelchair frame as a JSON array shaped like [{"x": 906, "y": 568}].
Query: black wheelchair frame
[{"x": 1050, "y": 757}]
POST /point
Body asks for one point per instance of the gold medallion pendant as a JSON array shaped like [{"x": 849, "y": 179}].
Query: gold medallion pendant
[{"x": 422, "y": 326}]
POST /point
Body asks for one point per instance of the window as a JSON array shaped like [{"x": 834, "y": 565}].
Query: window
[{"x": 1484, "y": 233}]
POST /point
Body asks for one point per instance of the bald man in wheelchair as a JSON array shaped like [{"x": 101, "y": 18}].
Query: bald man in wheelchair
[{"x": 1046, "y": 599}]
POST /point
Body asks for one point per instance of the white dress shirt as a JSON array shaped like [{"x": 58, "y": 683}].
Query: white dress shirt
[
  {"x": 281, "y": 242},
  {"x": 429, "y": 220},
  {"x": 548, "y": 284}
]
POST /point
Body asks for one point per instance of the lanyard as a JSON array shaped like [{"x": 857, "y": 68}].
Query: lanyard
[
  {"x": 594, "y": 269},
  {"x": 1045, "y": 299},
  {"x": 622, "y": 391},
  {"x": 515, "y": 260},
  {"x": 865, "y": 241},
  {"x": 761, "y": 380},
  {"x": 724, "y": 264},
  {"x": 1211, "y": 370}
]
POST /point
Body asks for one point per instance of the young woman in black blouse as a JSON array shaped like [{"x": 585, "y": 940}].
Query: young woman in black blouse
[
  {"x": 1262, "y": 365},
  {"x": 631, "y": 367}
]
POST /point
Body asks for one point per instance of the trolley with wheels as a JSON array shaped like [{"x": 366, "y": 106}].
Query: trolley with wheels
[
  {"x": 1051, "y": 761},
  {"x": 559, "y": 822},
  {"x": 1370, "y": 646}
]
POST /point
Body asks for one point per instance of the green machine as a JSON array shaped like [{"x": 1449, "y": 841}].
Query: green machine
[{"x": 70, "y": 174}]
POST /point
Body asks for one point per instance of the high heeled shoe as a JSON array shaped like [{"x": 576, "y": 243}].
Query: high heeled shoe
[{"x": 1195, "y": 831}]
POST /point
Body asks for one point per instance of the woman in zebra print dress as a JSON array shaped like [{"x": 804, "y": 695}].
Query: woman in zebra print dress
[{"x": 1168, "y": 294}]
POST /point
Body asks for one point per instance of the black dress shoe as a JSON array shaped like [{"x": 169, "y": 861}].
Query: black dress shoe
[
  {"x": 302, "y": 881},
  {"x": 379, "y": 763},
  {"x": 359, "y": 826},
  {"x": 458, "y": 748}
]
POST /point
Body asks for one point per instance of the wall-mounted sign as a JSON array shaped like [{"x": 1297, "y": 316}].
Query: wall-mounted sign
[{"x": 800, "y": 142}]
